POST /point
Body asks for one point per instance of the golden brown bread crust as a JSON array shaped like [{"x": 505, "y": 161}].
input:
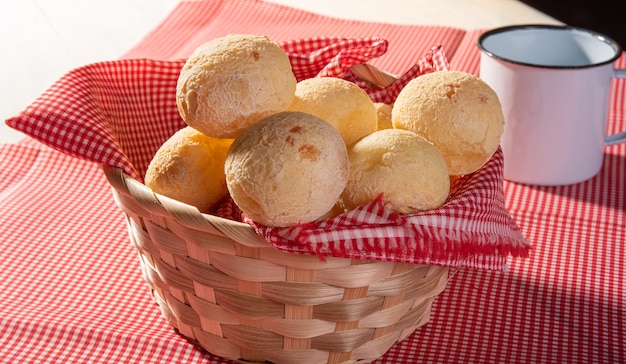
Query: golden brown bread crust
[
  {"x": 287, "y": 169},
  {"x": 341, "y": 103},
  {"x": 189, "y": 167},
  {"x": 458, "y": 112},
  {"x": 384, "y": 115},
  {"x": 231, "y": 82},
  {"x": 407, "y": 169}
]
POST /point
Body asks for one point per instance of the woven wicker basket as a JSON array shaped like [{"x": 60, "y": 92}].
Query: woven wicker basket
[{"x": 227, "y": 289}]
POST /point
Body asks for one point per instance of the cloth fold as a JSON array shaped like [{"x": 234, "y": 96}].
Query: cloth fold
[
  {"x": 118, "y": 113},
  {"x": 472, "y": 229}
]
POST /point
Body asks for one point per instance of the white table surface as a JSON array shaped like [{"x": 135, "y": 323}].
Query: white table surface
[{"x": 42, "y": 40}]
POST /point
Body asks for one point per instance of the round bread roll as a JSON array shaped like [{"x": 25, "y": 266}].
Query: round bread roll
[
  {"x": 341, "y": 103},
  {"x": 458, "y": 112},
  {"x": 406, "y": 168},
  {"x": 189, "y": 167},
  {"x": 231, "y": 82},
  {"x": 384, "y": 115},
  {"x": 287, "y": 169}
]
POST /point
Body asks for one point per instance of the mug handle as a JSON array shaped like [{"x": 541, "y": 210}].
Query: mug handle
[{"x": 619, "y": 137}]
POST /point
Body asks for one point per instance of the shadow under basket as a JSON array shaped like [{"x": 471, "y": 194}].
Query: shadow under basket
[{"x": 227, "y": 289}]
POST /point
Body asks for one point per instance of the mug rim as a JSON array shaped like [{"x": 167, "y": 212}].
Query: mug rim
[{"x": 599, "y": 36}]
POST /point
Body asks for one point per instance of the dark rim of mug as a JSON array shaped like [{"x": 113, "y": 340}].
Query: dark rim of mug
[{"x": 601, "y": 37}]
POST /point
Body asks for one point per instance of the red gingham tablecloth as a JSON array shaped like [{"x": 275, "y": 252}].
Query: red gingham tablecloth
[{"x": 71, "y": 289}]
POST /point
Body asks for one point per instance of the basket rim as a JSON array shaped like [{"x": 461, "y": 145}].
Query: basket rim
[{"x": 184, "y": 213}]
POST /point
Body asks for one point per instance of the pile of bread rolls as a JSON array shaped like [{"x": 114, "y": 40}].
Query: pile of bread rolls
[{"x": 291, "y": 152}]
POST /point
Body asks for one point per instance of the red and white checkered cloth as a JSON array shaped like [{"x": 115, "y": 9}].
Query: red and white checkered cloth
[
  {"x": 72, "y": 292},
  {"x": 118, "y": 113}
]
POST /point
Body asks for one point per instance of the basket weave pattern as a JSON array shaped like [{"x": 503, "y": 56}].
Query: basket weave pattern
[{"x": 227, "y": 289}]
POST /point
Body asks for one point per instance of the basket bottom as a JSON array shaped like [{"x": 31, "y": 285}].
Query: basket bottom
[{"x": 247, "y": 340}]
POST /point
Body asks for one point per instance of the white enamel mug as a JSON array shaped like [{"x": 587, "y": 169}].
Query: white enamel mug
[{"x": 553, "y": 83}]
